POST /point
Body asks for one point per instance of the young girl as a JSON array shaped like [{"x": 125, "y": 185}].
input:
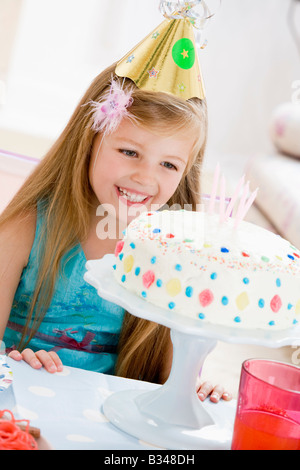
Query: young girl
[{"x": 49, "y": 315}]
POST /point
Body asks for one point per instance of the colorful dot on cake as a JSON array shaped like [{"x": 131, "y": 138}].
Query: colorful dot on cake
[
  {"x": 265, "y": 259},
  {"x": 144, "y": 294},
  {"x": 148, "y": 278},
  {"x": 121, "y": 256},
  {"x": 296, "y": 254},
  {"x": 189, "y": 291},
  {"x": 114, "y": 266},
  {"x": 261, "y": 303},
  {"x": 224, "y": 249},
  {"x": 242, "y": 301},
  {"x": 290, "y": 306},
  {"x": 213, "y": 276},
  {"x": 153, "y": 260},
  {"x": 132, "y": 245},
  {"x": 271, "y": 323},
  {"x": 224, "y": 300},
  {"x": 128, "y": 263},
  {"x": 246, "y": 280},
  {"x": 237, "y": 319},
  {"x": 291, "y": 257},
  {"x": 170, "y": 235},
  {"x": 173, "y": 287},
  {"x": 137, "y": 271},
  {"x": 275, "y": 304},
  {"x": 178, "y": 267},
  {"x": 123, "y": 278},
  {"x": 245, "y": 254},
  {"x": 278, "y": 282},
  {"x": 171, "y": 305},
  {"x": 201, "y": 316},
  {"x": 295, "y": 321},
  {"x": 206, "y": 297},
  {"x": 159, "y": 283},
  {"x": 119, "y": 247},
  {"x": 156, "y": 230}
]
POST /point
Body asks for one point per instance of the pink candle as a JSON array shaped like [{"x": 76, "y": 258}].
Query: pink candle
[
  {"x": 249, "y": 203},
  {"x": 241, "y": 206},
  {"x": 222, "y": 199},
  {"x": 234, "y": 197},
  {"x": 214, "y": 190}
]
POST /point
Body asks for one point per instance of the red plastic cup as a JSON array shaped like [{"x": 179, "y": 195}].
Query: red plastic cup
[{"x": 268, "y": 407}]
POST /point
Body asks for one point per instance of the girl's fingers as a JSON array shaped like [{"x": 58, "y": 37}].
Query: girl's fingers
[
  {"x": 49, "y": 360},
  {"x": 57, "y": 361},
  {"x": 204, "y": 390},
  {"x": 227, "y": 396},
  {"x": 216, "y": 393},
  {"x": 16, "y": 355},
  {"x": 30, "y": 357}
]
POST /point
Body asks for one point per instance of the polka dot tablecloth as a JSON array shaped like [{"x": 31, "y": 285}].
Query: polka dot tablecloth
[{"x": 67, "y": 406}]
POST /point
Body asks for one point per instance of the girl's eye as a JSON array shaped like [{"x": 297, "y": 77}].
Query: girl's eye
[
  {"x": 169, "y": 165},
  {"x": 128, "y": 153}
]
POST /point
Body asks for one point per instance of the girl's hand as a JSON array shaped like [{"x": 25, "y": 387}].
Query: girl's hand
[
  {"x": 49, "y": 360},
  {"x": 216, "y": 393}
]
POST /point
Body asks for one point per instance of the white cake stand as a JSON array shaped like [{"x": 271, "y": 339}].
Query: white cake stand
[{"x": 172, "y": 416}]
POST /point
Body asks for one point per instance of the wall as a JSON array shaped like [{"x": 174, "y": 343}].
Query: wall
[{"x": 249, "y": 65}]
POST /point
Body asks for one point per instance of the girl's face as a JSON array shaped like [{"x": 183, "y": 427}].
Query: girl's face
[{"x": 134, "y": 170}]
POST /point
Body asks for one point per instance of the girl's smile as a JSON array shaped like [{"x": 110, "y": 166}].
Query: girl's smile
[{"x": 131, "y": 197}]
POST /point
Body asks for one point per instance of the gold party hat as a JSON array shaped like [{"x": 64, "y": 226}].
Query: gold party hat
[{"x": 166, "y": 60}]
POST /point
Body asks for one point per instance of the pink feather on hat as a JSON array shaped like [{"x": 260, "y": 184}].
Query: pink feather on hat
[{"x": 109, "y": 112}]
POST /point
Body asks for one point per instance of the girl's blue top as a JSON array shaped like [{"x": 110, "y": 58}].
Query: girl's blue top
[{"x": 79, "y": 325}]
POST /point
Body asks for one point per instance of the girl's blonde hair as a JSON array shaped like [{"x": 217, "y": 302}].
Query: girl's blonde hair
[{"x": 62, "y": 180}]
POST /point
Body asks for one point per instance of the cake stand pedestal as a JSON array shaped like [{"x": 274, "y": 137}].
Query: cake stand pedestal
[{"x": 172, "y": 416}]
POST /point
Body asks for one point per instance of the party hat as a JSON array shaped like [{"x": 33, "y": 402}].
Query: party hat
[{"x": 166, "y": 60}]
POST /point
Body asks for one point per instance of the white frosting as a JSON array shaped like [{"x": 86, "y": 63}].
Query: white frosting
[{"x": 191, "y": 263}]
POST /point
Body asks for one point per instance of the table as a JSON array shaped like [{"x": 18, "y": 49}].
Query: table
[{"x": 67, "y": 406}]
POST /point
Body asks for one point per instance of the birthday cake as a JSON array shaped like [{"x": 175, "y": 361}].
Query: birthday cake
[{"x": 199, "y": 266}]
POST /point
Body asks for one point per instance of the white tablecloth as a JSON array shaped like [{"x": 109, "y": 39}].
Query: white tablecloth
[{"x": 67, "y": 406}]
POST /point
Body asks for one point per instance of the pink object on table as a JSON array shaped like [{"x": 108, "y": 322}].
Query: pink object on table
[{"x": 268, "y": 408}]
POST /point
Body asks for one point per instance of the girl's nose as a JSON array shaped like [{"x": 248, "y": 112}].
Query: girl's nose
[{"x": 145, "y": 175}]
